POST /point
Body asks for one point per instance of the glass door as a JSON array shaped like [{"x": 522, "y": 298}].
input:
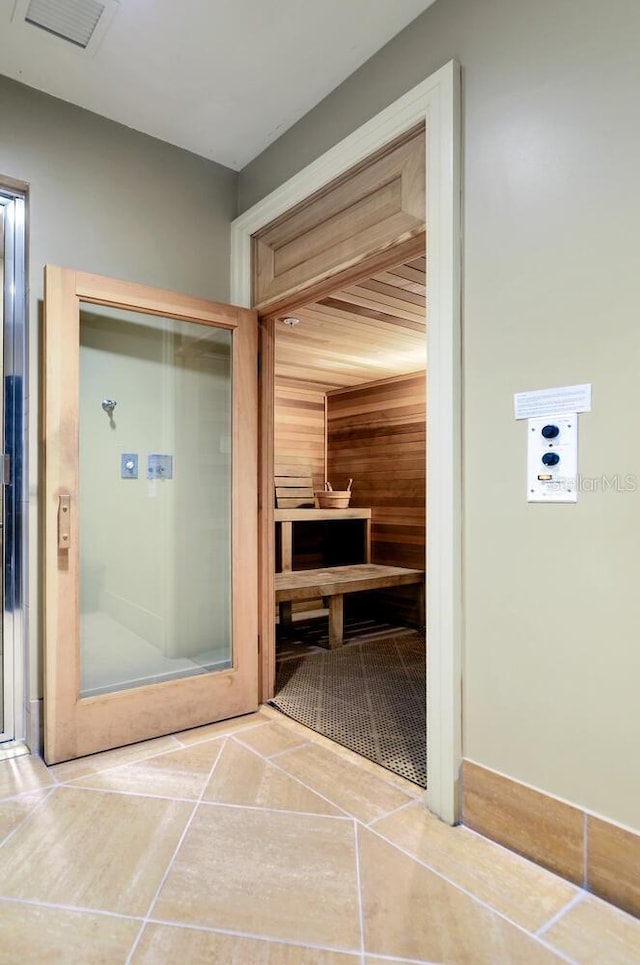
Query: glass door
[
  {"x": 13, "y": 494},
  {"x": 151, "y": 513}
]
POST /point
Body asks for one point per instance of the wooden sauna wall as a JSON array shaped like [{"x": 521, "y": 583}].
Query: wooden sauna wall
[
  {"x": 299, "y": 429},
  {"x": 299, "y": 440},
  {"x": 376, "y": 434}
]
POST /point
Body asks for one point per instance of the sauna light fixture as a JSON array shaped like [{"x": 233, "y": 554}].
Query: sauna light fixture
[{"x": 290, "y": 321}]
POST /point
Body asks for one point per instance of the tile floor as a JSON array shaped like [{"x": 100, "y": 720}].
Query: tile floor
[{"x": 257, "y": 842}]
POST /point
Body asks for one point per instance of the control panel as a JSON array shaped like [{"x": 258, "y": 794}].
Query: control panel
[
  {"x": 552, "y": 459},
  {"x": 159, "y": 466}
]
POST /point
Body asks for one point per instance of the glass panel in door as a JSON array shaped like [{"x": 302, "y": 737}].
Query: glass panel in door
[{"x": 154, "y": 499}]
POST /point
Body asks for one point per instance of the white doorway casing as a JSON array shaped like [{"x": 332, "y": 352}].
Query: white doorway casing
[{"x": 436, "y": 103}]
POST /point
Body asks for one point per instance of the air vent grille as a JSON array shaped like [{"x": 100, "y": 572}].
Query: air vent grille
[{"x": 72, "y": 20}]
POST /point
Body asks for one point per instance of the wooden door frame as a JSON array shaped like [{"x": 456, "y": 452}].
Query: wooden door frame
[{"x": 436, "y": 103}]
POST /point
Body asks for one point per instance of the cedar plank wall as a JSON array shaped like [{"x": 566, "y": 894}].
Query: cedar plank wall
[
  {"x": 299, "y": 430},
  {"x": 299, "y": 440},
  {"x": 376, "y": 434}
]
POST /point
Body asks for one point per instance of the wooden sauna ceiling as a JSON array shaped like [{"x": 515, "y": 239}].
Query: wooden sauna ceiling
[{"x": 368, "y": 331}]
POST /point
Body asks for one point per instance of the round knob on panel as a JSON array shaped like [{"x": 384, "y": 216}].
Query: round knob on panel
[
  {"x": 550, "y": 432},
  {"x": 551, "y": 459}
]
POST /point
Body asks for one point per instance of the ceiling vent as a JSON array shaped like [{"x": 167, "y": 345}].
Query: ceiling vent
[{"x": 79, "y": 22}]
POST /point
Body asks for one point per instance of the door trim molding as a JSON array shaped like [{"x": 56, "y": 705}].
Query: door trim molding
[{"x": 436, "y": 103}]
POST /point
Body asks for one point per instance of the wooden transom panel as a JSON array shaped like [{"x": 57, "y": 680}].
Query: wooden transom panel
[{"x": 378, "y": 204}]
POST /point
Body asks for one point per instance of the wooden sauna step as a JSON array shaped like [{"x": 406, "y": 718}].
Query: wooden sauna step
[{"x": 335, "y": 581}]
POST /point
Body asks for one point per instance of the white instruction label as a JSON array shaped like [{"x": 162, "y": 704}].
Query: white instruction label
[{"x": 570, "y": 398}]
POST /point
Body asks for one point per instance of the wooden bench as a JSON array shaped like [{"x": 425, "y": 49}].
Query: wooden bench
[
  {"x": 285, "y": 518},
  {"x": 335, "y": 581}
]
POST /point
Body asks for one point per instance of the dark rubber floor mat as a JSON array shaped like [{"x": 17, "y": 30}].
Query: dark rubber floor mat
[{"x": 369, "y": 697}]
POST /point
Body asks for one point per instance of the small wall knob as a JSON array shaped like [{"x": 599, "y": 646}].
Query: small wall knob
[
  {"x": 551, "y": 459},
  {"x": 550, "y": 431}
]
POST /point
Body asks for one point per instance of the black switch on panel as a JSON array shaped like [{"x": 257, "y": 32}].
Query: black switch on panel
[
  {"x": 550, "y": 432},
  {"x": 550, "y": 458}
]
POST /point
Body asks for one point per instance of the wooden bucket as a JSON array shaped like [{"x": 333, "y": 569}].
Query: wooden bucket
[{"x": 336, "y": 499}]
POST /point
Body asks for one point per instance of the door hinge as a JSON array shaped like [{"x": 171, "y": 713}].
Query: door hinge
[
  {"x": 6, "y": 470},
  {"x": 259, "y": 644}
]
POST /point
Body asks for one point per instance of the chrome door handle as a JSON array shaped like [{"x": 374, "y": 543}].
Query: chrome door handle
[{"x": 64, "y": 521}]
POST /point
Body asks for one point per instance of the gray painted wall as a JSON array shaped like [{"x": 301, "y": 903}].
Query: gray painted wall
[
  {"x": 106, "y": 199},
  {"x": 551, "y": 128}
]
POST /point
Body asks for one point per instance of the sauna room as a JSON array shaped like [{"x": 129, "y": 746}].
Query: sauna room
[{"x": 349, "y": 467}]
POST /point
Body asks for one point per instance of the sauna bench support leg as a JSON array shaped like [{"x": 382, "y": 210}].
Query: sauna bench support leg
[
  {"x": 367, "y": 541},
  {"x": 336, "y": 621},
  {"x": 286, "y": 538}
]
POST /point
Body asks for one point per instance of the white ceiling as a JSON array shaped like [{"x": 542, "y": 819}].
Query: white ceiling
[{"x": 221, "y": 78}]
